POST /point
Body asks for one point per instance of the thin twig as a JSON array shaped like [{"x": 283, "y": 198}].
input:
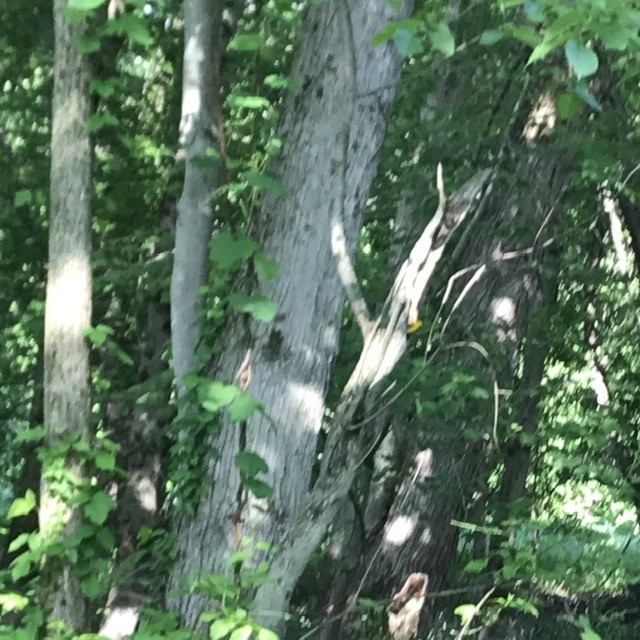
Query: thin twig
[{"x": 463, "y": 631}]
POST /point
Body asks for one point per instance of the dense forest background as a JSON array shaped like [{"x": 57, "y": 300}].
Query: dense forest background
[{"x": 321, "y": 319}]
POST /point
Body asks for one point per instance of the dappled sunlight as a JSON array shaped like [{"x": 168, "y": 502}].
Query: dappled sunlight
[{"x": 400, "y": 530}]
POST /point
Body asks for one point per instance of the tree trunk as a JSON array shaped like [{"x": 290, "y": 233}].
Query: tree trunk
[
  {"x": 199, "y": 139},
  {"x": 418, "y": 534},
  {"x": 333, "y": 128},
  {"x": 68, "y": 305}
]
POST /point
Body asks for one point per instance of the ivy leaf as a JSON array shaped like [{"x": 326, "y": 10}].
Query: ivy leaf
[
  {"x": 276, "y": 81},
  {"x": 247, "y": 42},
  {"x": 582, "y": 59},
  {"x": 22, "y": 506},
  {"x": 226, "y": 250},
  {"x": 22, "y": 197},
  {"x": 250, "y": 463},
  {"x": 214, "y": 395},
  {"x": 466, "y": 612},
  {"x": 265, "y": 268},
  {"x": 97, "y": 509},
  {"x": 258, "y": 306},
  {"x": 18, "y": 542},
  {"x": 242, "y": 407},
  {"x": 541, "y": 50},
  {"x": 261, "y": 180},
  {"x": 407, "y": 43},
  {"x": 442, "y": 39},
  {"x": 267, "y": 634},
  {"x": 21, "y": 566},
  {"x": 491, "y": 37}
]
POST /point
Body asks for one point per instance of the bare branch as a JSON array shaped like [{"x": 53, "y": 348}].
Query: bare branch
[{"x": 348, "y": 277}]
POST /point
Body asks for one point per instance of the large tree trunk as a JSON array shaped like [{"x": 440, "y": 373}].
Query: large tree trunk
[
  {"x": 199, "y": 139},
  {"x": 418, "y": 534},
  {"x": 333, "y": 129},
  {"x": 68, "y": 305}
]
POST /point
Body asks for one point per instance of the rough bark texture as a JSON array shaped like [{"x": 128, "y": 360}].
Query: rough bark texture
[
  {"x": 68, "y": 300},
  {"x": 199, "y": 139},
  {"x": 333, "y": 130}
]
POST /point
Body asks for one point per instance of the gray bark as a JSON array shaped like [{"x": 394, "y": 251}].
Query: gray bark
[
  {"x": 68, "y": 302},
  {"x": 198, "y": 137},
  {"x": 333, "y": 130}
]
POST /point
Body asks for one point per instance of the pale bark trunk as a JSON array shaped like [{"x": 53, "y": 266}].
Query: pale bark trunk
[
  {"x": 68, "y": 302},
  {"x": 333, "y": 128},
  {"x": 198, "y": 137}
]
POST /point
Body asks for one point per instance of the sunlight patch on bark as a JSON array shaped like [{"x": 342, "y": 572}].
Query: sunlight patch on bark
[{"x": 400, "y": 530}]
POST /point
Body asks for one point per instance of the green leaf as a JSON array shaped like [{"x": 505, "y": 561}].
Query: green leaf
[
  {"x": 226, "y": 250},
  {"x": 242, "y": 407},
  {"x": 22, "y": 506},
  {"x": 247, "y": 102},
  {"x": 265, "y": 268},
  {"x": 614, "y": 36},
  {"x": 21, "y": 566},
  {"x": 250, "y": 463},
  {"x": 86, "y": 43},
  {"x": 12, "y": 602},
  {"x": 18, "y": 542},
  {"x": 91, "y": 586},
  {"x": 411, "y": 25},
  {"x": 276, "y": 81},
  {"x": 583, "y": 91},
  {"x": 259, "y": 489},
  {"x": 221, "y": 629},
  {"x": 97, "y": 509},
  {"x": 214, "y": 395},
  {"x": 541, "y": 50},
  {"x": 261, "y": 180},
  {"x": 105, "y": 461},
  {"x": 84, "y": 5},
  {"x": 242, "y": 633},
  {"x": 22, "y": 197},
  {"x": 238, "y": 557},
  {"x": 475, "y": 566},
  {"x": 247, "y": 42},
  {"x": 100, "y": 121},
  {"x": 569, "y": 104},
  {"x": 534, "y": 10},
  {"x": 133, "y": 26},
  {"x": 466, "y": 612},
  {"x": 98, "y": 335},
  {"x": 491, "y": 37},
  {"x": 582, "y": 59},
  {"x": 407, "y": 43},
  {"x": 442, "y": 39},
  {"x": 528, "y": 35},
  {"x": 267, "y": 634},
  {"x": 258, "y": 306},
  {"x": 103, "y": 88},
  {"x": 30, "y": 435}
]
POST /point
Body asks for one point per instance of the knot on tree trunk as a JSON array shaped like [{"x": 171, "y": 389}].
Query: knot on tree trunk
[{"x": 406, "y": 607}]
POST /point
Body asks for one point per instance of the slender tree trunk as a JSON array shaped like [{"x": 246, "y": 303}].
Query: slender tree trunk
[
  {"x": 68, "y": 305},
  {"x": 333, "y": 129},
  {"x": 199, "y": 139}
]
